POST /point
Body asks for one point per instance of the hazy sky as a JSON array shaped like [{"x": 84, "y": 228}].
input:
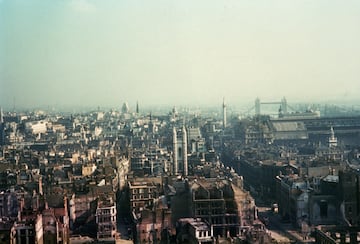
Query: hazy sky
[{"x": 105, "y": 52}]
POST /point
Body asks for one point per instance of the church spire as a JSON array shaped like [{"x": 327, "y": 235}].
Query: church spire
[
  {"x": 224, "y": 113},
  {"x": 332, "y": 139},
  {"x": 1, "y": 115}
]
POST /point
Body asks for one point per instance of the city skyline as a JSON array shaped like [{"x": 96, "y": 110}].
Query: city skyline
[{"x": 95, "y": 53}]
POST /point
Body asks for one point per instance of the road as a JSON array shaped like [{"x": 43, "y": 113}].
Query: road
[
  {"x": 124, "y": 224},
  {"x": 279, "y": 230}
]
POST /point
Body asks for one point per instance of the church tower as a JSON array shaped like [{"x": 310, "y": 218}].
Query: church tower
[
  {"x": 2, "y": 128},
  {"x": 40, "y": 186},
  {"x": 1, "y": 116},
  {"x": 185, "y": 159},
  {"x": 180, "y": 152},
  {"x": 175, "y": 150},
  {"x": 332, "y": 139},
  {"x": 224, "y": 113}
]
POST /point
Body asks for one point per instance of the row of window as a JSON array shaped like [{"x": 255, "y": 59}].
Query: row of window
[
  {"x": 105, "y": 228},
  {"x": 106, "y": 211},
  {"x": 142, "y": 196},
  {"x": 100, "y": 236},
  {"x": 106, "y": 219},
  {"x": 141, "y": 190},
  {"x": 227, "y": 220},
  {"x": 203, "y": 234}
]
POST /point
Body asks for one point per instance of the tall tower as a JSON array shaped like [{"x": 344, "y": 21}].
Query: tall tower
[
  {"x": 40, "y": 186},
  {"x": 175, "y": 149},
  {"x": 1, "y": 116},
  {"x": 257, "y": 106},
  {"x": 137, "y": 107},
  {"x": 332, "y": 139},
  {"x": 184, "y": 145},
  {"x": 284, "y": 105},
  {"x": 2, "y": 128},
  {"x": 224, "y": 113}
]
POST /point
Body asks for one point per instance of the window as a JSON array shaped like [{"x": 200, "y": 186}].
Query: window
[{"x": 323, "y": 209}]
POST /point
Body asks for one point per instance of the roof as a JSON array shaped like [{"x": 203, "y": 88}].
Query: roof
[
  {"x": 331, "y": 178},
  {"x": 196, "y": 223},
  {"x": 289, "y": 126}
]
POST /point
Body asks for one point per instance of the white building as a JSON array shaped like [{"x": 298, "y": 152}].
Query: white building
[
  {"x": 36, "y": 127},
  {"x": 180, "y": 157}
]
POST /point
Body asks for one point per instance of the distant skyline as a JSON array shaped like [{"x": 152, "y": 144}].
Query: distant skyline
[{"x": 89, "y": 53}]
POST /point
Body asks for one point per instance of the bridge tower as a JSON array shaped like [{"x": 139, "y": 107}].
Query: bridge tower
[{"x": 283, "y": 105}]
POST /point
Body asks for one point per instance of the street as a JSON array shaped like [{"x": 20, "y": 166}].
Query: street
[{"x": 282, "y": 232}]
